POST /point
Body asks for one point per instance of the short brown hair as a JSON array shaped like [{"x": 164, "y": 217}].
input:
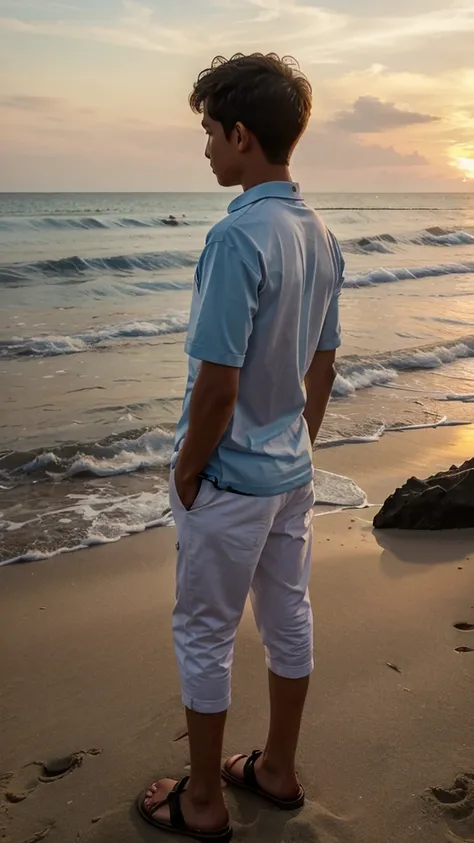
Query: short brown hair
[{"x": 268, "y": 94}]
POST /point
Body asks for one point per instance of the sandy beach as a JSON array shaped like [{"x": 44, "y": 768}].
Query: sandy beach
[{"x": 87, "y": 669}]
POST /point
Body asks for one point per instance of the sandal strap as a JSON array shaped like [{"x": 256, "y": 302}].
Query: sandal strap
[
  {"x": 181, "y": 786},
  {"x": 174, "y": 804},
  {"x": 174, "y": 801},
  {"x": 250, "y": 778}
]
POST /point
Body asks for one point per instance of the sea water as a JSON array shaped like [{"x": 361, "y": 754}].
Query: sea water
[{"x": 94, "y": 299}]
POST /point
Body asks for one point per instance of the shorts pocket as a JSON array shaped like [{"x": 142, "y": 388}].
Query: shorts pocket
[{"x": 203, "y": 498}]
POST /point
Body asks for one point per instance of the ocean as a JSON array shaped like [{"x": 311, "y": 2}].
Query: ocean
[{"x": 94, "y": 298}]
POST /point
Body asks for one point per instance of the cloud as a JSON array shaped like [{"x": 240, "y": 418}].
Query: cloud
[
  {"x": 157, "y": 39},
  {"x": 390, "y": 32},
  {"x": 41, "y": 5},
  {"x": 338, "y": 151},
  {"x": 291, "y": 9},
  {"x": 329, "y": 160},
  {"x": 392, "y": 55},
  {"x": 371, "y": 114},
  {"x": 447, "y": 94},
  {"x": 136, "y": 28},
  {"x": 321, "y": 148},
  {"x": 37, "y": 104},
  {"x": 124, "y": 154},
  {"x": 315, "y": 33},
  {"x": 269, "y": 10},
  {"x": 287, "y": 10},
  {"x": 27, "y": 112}
]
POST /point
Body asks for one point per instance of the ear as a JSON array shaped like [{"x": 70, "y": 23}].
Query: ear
[{"x": 242, "y": 136}]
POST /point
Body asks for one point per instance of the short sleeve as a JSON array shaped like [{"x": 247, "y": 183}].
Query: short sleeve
[
  {"x": 331, "y": 335},
  {"x": 228, "y": 297}
]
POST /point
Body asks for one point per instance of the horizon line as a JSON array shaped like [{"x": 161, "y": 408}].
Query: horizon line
[{"x": 224, "y": 192}]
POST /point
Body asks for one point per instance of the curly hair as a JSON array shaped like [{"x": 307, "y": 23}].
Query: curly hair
[{"x": 268, "y": 94}]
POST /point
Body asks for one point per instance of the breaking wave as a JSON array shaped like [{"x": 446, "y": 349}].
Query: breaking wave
[
  {"x": 51, "y": 345},
  {"x": 86, "y": 223},
  {"x": 384, "y": 275},
  {"x": 388, "y": 243},
  {"x": 356, "y": 373},
  {"x": 72, "y": 267}
]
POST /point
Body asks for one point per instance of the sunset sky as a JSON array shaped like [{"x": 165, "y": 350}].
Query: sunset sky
[{"x": 93, "y": 93}]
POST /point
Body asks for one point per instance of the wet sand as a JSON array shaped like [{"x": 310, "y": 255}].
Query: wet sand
[{"x": 387, "y": 751}]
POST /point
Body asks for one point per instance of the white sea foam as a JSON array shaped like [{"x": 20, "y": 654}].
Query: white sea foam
[
  {"x": 109, "y": 517},
  {"x": 450, "y": 238},
  {"x": 383, "y": 429},
  {"x": 361, "y": 378},
  {"x": 106, "y": 516},
  {"x": 45, "y": 460},
  {"x": 365, "y": 439},
  {"x": 391, "y": 276},
  {"x": 383, "y": 369},
  {"x": 153, "y": 449},
  {"x": 51, "y": 345},
  {"x": 388, "y": 243}
]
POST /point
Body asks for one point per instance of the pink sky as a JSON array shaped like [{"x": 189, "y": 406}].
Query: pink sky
[{"x": 93, "y": 93}]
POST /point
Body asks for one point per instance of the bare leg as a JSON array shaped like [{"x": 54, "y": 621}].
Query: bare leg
[
  {"x": 287, "y": 700},
  {"x": 206, "y": 733},
  {"x": 202, "y": 803},
  {"x": 275, "y": 769}
]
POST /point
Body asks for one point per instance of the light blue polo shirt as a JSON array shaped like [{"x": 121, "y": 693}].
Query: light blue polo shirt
[{"x": 265, "y": 299}]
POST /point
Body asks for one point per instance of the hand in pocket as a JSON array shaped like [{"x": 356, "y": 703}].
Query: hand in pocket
[{"x": 187, "y": 490}]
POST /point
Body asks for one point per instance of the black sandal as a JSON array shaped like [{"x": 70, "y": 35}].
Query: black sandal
[
  {"x": 250, "y": 783},
  {"x": 177, "y": 824}
]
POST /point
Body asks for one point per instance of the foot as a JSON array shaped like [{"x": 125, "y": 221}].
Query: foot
[
  {"x": 280, "y": 784},
  {"x": 199, "y": 814}
]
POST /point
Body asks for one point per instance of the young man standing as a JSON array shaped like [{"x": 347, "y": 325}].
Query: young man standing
[{"x": 263, "y": 331}]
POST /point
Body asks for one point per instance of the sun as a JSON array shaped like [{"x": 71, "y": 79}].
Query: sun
[{"x": 466, "y": 165}]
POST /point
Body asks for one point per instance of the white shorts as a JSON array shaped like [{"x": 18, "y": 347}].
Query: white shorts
[{"x": 231, "y": 545}]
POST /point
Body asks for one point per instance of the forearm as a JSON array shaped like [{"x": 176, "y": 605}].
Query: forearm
[
  {"x": 318, "y": 395},
  {"x": 210, "y": 412}
]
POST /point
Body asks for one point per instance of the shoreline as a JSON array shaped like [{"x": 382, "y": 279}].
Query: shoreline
[
  {"x": 163, "y": 518},
  {"x": 88, "y": 664}
]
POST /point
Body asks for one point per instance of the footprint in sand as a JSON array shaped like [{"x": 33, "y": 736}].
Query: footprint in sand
[
  {"x": 252, "y": 821},
  {"x": 456, "y": 804},
  {"x": 39, "y": 835},
  {"x": 464, "y": 626},
  {"x": 18, "y": 784}
]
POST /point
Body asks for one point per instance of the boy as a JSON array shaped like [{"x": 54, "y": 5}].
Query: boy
[{"x": 263, "y": 331}]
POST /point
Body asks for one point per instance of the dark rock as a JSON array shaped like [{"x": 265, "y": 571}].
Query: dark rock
[{"x": 442, "y": 502}]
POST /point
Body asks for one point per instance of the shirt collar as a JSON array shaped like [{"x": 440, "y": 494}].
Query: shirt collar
[{"x": 267, "y": 190}]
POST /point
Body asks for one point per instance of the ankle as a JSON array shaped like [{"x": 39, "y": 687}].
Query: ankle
[
  {"x": 204, "y": 798},
  {"x": 277, "y": 767}
]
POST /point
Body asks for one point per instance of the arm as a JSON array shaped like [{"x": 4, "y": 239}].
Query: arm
[
  {"x": 319, "y": 382},
  {"x": 321, "y": 374},
  {"x": 229, "y": 298},
  {"x": 211, "y": 409}
]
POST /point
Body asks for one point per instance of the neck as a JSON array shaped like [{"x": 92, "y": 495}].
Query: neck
[{"x": 266, "y": 173}]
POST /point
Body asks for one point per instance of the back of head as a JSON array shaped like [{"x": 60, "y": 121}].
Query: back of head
[{"x": 268, "y": 95}]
